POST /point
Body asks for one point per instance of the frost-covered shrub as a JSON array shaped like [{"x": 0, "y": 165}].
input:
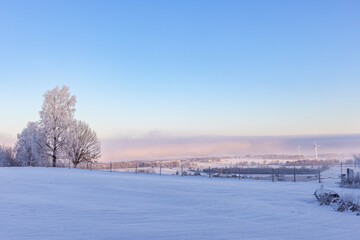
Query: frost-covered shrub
[
  {"x": 351, "y": 180},
  {"x": 347, "y": 202},
  {"x": 326, "y": 197},
  {"x": 7, "y": 158},
  {"x": 350, "y": 202}
]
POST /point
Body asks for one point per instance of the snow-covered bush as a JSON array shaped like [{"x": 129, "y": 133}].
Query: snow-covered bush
[
  {"x": 7, "y": 157},
  {"x": 347, "y": 202},
  {"x": 350, "y": 202},
  {"x": 351, "y": 180},
  {"x": 326, "y": 197}
]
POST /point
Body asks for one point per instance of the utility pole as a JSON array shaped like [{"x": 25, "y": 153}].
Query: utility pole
[
  {"x": 110, "y": 167},
  {"x": 209, "y": 172},
  {"x": 239, "y": 174},
  {"x": 272, "y": 175},
  {"x": 182, "y": 171}
]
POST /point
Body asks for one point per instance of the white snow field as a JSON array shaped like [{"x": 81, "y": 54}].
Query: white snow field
[{"x": 55, "y": 203}]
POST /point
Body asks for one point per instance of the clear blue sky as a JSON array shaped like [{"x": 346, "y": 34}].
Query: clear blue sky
[{"x": 185, "y": 67}]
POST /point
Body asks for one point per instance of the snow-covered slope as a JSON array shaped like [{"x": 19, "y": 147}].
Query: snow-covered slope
[{"x": 53, "y": 203}]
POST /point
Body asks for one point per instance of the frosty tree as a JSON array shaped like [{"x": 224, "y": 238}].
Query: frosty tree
[
  {"x": 55, "y": 118},
  {"x": 57, "y": 135},
  {"x": 83, "y": 144},
  {"x": 26, "y": 146}
]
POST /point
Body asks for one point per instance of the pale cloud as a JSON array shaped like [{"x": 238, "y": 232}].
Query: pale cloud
[
  {"x": 6, "y": 140},
  {"x": 157, "y": 146}
]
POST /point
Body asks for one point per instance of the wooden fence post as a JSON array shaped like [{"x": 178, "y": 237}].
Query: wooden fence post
[
  {"x": 294, "y": 174},
  {"x": 272, "y": 175},
  {"x": 341, "y": 174}
]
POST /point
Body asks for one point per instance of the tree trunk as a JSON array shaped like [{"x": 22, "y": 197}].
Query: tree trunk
[{"x": 54, "y": 161}]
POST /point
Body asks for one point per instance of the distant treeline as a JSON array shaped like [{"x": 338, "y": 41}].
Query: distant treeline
[
  {"x": 190, "y": 163},
  {"x": 137, "y": 164},
  {"x": 317, "y": 163},
  {"x": 287, "y": 156},
  {"x": 282, "y": 170}
]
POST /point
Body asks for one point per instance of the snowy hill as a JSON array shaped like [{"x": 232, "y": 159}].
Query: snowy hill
[{"x": 54, "y": 203}]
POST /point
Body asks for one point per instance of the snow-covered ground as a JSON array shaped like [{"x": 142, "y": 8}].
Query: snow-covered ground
[{"x": 54, "y": 203}]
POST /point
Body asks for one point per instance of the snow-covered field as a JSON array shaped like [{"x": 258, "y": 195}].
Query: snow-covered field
[{"x": 54, "y": 203}]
